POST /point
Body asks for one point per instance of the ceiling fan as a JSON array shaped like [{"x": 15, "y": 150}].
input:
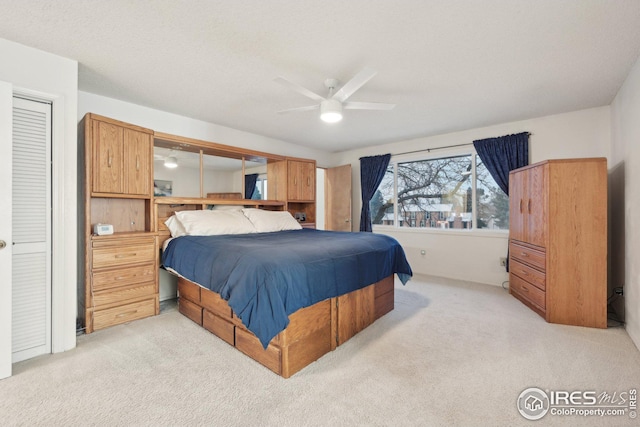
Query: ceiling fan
[{"x": 332, "y": 105}]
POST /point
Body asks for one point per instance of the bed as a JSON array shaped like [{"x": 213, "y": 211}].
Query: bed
[{"x": 281, "y": 294}]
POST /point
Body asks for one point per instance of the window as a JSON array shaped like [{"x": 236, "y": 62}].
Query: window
[{"x": 455, "y": 192}]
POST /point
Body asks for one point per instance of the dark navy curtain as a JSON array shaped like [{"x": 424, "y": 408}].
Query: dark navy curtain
[
  {"x": 372, "y": 170},
  {"x": 250, "y": 185},
  {"x": 501, "y": 155}
]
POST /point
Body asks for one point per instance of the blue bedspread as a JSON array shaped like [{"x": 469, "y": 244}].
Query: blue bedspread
[{"x": 267, "y": 276}]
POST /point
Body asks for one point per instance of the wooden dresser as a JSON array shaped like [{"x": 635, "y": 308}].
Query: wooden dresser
[
  {"x": 558, "y": 240},
  {"x": 120, "y": 269}
]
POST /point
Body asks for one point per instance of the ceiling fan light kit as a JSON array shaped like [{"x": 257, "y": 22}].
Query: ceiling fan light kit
[
  {"x": 331, "y": 107},
  {"x": 171, "y": 162},
  {"x": 331, "y": 111}
]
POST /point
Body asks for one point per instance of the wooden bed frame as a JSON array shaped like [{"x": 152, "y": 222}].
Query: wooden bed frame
[{"x": 312, "y": 332}]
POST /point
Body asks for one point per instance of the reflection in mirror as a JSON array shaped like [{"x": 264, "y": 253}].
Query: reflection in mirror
[
  {"x": 182, "y": 180},
  {"x": 221, "y": 175},
  {"x": 259, "y": 190}
]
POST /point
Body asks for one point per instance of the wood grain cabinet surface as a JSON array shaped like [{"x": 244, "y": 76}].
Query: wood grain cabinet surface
[
  {"x": 558, "y": 240},
  {"x": 301, "y": 180},
  {"x": 122, "y": 159},
  {"x": 120, "y": 270},
  {"x": 294, "y": 182}
]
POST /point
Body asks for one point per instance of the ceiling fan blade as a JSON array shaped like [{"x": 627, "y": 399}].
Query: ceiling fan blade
[
  {"x": 293, "y": 110},
  {"x": 299, "y": 89},
  {"x": 367, "y": 106},
  {"x": 354, "y": 84}
]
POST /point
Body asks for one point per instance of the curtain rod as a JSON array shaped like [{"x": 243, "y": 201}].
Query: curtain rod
[
  {"x": 431, "y": 149},
  {"x": 428, "y": 150}
]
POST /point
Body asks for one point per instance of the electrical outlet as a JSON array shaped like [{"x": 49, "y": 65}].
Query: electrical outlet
[{"x": 503, "y": 261}]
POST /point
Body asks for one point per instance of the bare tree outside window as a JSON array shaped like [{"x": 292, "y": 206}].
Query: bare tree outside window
[
  {"x": 491, "y": 202},
  {"x": 438, "y": 193}
]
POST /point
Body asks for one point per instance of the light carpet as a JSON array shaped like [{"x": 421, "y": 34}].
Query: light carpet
[{"x": 451, "y": 353}]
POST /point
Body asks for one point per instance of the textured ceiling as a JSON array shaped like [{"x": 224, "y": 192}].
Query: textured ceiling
[{"x": 448, "y": 65}]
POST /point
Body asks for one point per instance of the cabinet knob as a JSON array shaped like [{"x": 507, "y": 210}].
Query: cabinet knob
[{"x": 3, "y": 244}]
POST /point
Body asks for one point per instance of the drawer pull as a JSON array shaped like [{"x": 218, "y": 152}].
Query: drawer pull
[
  {"x": 524, "y": 288},
  {"x": 524, "y": 254},
  {"x": 524, "y": 273},
  {"x": 127, "y": 313},
  {"x": 126, "y": 255}
]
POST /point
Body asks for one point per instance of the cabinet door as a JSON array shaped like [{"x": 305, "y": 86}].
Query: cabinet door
[
  {"x": 536, "y": 217},
  {"x": 137, "y": 156},
  {"x": 107, "y": 158},
  {"x": 517, "y": 185},
  {"x": 301, "y": 180}
]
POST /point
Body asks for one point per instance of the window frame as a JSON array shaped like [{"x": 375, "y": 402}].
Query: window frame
[{"x": 467, "y": 150}]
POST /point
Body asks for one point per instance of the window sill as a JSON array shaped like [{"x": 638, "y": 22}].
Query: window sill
[{"x": 499, "y": 234}]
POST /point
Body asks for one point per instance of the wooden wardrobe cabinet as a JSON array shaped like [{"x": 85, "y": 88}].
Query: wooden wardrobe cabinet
[
  {"x": 121, "y": 269},
  {"x": 558, "y": 240}
]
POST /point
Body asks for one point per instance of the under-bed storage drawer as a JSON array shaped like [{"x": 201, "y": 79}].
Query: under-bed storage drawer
[
  {"x": 124, "y": 313},
  {"x": 191, "y": 310},
  {"x": 215, "y": 304},
  {"x": 220, "y": 327},
  {"x": 247, "y": 343},
  {"x": 384, "y": 297},
  {"x": 188, "y": 290}
]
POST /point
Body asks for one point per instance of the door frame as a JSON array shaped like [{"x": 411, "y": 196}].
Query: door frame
[
  {"x": 6, "y": 136},
  {"x": 64, "y": 262},
  {"x": 64, "y": 219}
]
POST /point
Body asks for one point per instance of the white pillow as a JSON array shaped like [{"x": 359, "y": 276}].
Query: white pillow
[
  {"x": 267, "y": 221},
  {"x": 209, "y": 223},
  {"x": 175, "y": 226}
]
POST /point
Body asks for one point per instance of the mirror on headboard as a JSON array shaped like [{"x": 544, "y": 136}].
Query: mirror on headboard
[{"x": 185, "y": 168}]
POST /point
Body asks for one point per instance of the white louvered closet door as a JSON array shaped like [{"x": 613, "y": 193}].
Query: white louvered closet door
[{"x": 31, "y": 229}]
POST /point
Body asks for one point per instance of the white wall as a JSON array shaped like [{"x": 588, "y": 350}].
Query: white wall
[
  {"x": 475, "y": 255},
  {"x": 36, "y": 73},
  {"x": 624, "y": 188}
]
